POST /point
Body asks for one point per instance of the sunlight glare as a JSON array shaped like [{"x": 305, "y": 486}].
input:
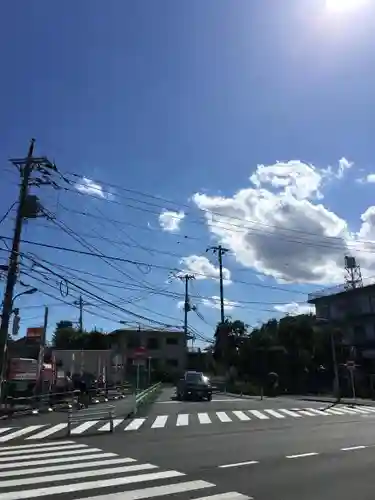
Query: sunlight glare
[{"x": 344, "y": 5}]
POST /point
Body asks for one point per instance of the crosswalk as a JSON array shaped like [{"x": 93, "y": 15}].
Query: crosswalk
[
  {"x": 180, "y": 420},
  {"x": 76, "y": 470}
]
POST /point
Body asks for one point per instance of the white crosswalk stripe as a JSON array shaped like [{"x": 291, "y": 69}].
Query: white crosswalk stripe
[
  {"x": 185, "y": 420},
  {"x": 102, "y": 478}
]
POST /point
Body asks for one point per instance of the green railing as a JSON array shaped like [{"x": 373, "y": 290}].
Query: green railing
[{"x": 146, "y": 396}]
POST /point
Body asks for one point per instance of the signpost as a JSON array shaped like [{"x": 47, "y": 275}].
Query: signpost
[
  {"x": 139, "y": 360},
  {"x": 351, "y": 366}
]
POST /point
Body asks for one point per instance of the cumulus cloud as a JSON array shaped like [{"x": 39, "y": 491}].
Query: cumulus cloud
[
  {"x": 294, "y": 309},
  {"x": 170, "y": 221},
  {"x": 214, "y": 303},
  {"x": 90, "y": 187},
  {"x": 369, "y": 179},
  {"x": 202, "y": 269},
  {"x": 280, "y": 228}
]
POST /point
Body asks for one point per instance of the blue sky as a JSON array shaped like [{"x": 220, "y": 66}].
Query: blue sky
[{"x": 174, "y": 98}]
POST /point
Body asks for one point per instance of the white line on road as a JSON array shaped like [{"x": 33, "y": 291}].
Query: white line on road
[
  {"x": 159, "y": 421},
  {"x": 302, "y": 455},
  {"x": 223, "y": 417},
  {"x": 157, "y": 491},
  {"x": 57, "y": 447},
  {"x": 34, "y": 445},
  {"x": 275, "y": 413},
  {"x": 107, "y": 426},
  {"x": 239, "y": 464},
  {"x": 89, "y": 485},
  {"x": 241, "y": 415},
  {"x": 48, "y": 461},
  {"x": 20, "y": 432},
  {"x": 10, "y": 483},
  {"x": 233, "y": 495},
  {"x": 182, "y": 419},
  {"x": 351, "y": 448},
  {"x": 204, "y": 418},
  {"x": 135, "y": 424},
  {"x": 47, "y": 432},
  {"x": 259, "y": 415},
  {"x": 84, "y": 427},
  {"x": 291, "y": 413}
]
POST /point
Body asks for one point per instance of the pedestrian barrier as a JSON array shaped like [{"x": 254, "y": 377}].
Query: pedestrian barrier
[{"x": 103, "y": 413}]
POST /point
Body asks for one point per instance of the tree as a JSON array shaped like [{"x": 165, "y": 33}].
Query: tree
[{"x": 66, "y": 336}]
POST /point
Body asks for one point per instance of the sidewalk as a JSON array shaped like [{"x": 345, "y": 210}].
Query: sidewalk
[{"x": 331, "y": 399}]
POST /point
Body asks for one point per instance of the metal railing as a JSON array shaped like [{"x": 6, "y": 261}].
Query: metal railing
[{"x": 103, "y": 413}]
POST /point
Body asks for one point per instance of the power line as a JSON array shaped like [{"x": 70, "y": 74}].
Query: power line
[
  {"x": 8, "y": 212},
  {"x": 183, "y": 205},
  {"x": 155, "y": 266}
]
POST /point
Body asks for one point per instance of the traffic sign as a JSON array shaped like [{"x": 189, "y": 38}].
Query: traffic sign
[{"x": 140, "y": 352}]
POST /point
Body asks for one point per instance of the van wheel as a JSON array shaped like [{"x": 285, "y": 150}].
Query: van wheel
[{"x": 209, "y": 397}]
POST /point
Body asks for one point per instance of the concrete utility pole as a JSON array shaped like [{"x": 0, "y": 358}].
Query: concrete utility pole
[
  {"x": 186, "y": 278},
  {"x": 220, "y": 252},
  {"x": 28, "y": 207},
  {"x": 13, "y": 258}
]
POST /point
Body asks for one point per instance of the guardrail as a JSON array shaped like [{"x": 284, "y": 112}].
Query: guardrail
[
  {"x": 146, "y": 396},
  {"x": 104, "y": 413}
]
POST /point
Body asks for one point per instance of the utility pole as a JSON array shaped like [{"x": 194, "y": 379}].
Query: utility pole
[
  {"x": 220, "y": 251},
  {"x": 79, "y": 303},
  {"x": 13, "y": 258},
  {"x": 186, "y": 278},
  {"x": 28, "y": 207}
]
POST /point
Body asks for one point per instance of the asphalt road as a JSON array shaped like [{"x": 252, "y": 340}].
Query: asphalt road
[
  {"x": 310, "y": 458},
  {"x": 307, "y": 458}
]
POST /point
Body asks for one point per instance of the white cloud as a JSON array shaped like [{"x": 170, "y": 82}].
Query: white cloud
[
  {"x": 214, "y": 303},
  {"x": 369, "y": 179},
  {"x": 90, "y": 187},
  {"x": 294, "y": 309},
  {"x": 282, "y": 231},
  {"x": 170, "y": 221},
  {"x": 297, "y": 178},
  {"x": 330, "y": 173},
  {"x": 202, "y": 268}
]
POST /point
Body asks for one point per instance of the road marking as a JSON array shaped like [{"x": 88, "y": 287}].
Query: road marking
[
  {"x": 371, "y": 409},
  {"x": 291, "y": 413},
  {"x": 84, "y": 427},
  {"x": 57, "y": 447},
  {"x": 135, "y": 424},
  {"x": 20, "y": 432},
  {"x": 38, "y": 454},
  {"x": 90, "y": 485},
  {"x": 362, "y": 410},
  {"x": 182, "y": 419},
  {"x": 333, "y": 411},
  {"x": 260, "y": 415},
  {"x": 223, "y": 417},
  {"x": 275, "y": 413},
  {"x": 64, "y": 460},
  {"x": 239, "y": 464},
  {"x": 159, "y": 422},
  {"x": 311, "y": 412},
  {"x": 157, "y": 491},
  {"x": 354, "y": 448},
  {"x": 107, "y": 426},
  {"x": 11, "y": 483},
  {"x": 34, "y": 445},
  {"x": 204, "y": 418},
  {"x": 241, "y": 415},
  {"x": 348, "y": 410},
  {"x": 57, "y": 468},
  {"x": 233, "y": 495},
  {"x": 47, "y": 432},
  {"x": 302, "y": 455}
]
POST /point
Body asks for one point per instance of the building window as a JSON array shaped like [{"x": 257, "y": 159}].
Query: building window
[
  {"x": 172, "y": 362},
  {"x": 172, "y": 341},
  {"x": 134, "y": 341},
  {"x": 359, "y": 333},
  {"x": 152, "y": 343}
]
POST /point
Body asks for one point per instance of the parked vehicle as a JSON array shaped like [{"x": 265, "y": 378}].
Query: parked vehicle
[{"x": 194, "y": 385}]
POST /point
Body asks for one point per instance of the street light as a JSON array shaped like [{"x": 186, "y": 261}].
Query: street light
[{"x": 30, "y": 291}]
